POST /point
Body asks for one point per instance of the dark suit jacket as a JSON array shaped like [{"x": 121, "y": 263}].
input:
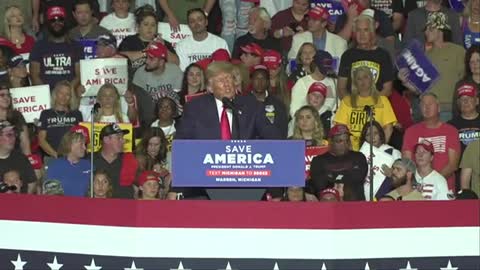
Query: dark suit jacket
[{"x": 200, "y": 120}]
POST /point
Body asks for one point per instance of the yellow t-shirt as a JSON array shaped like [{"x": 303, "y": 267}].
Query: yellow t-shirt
[{"x": 356, "y": 118}]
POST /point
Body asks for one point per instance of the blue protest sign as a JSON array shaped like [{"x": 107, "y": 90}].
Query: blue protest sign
[
  {"x": 89, "y": 47},
  {"x": 457, "y": 5},
  {"x": 255, "y": 163},
  {"x": 334, "y": 7},
  {"x": 422, "y": 73}
]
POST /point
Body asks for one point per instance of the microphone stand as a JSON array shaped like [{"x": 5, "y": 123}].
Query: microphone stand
[
  {"x": 92, "y": 147},
  {"x": 370, "y": 117}
]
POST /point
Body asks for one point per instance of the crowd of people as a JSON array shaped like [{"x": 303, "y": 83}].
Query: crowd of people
[{"x": 296, "y": 73}]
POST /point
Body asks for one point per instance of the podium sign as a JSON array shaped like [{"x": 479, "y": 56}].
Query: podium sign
[{"x": 254, "y": 163}]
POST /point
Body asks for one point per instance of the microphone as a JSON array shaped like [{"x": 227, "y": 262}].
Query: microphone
[
  {"x": 5, "y": 188},
  {"x": 228, "y": 103},
  {"x": 96, "y": 107}
]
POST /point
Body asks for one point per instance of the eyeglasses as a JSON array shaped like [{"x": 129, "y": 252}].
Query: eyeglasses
[{"x": 57, "y": 20}]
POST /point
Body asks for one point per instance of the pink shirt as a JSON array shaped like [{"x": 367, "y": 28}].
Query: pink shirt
[{"x": 443, "y": 138}]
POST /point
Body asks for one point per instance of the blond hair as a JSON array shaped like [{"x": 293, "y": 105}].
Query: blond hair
[
  {"x": 6, "y": 15},
  {"x": 369, "y": 19},
  {"x": 117, "y": 109},
  {"x": 318, "y": 133},
  {"x": 68, "y": 139},
  {"x": 355, "y": 93},
  {"x": 73, "y": 104}
]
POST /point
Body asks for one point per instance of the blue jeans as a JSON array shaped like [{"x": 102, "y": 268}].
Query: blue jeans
[{"x": 234, "y": 20}]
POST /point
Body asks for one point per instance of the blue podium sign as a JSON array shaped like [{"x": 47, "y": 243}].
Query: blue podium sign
[{"x": 253, "y": 163}]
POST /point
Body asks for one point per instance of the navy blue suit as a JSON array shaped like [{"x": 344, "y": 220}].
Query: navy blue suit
[{"x": 200, "y": 120}]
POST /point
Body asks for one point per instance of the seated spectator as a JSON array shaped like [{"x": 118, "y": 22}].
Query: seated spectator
[
  {"x": 110, "y": 110},
  {"x": 295, "y": 194},
  {"x": 193, "y": 82},
  {"x": 12, "y": 159},
  {"x": 120, "y": 22},
  {"x": 290, "y": 21},
  {"x": 176, "y": 10},
  {"x": 168, "y": 110},
  {"x": 379, "y": 140},
  {"x": 158, "y": 75},
  {"x": 120, "y": 167},
  {"x": 102, "y": 185},
  {"x": 470, "y": 24},
  {"x": 431, "y": 183},
  {"x": 471, "y": 74},
  {"x": 317, "y": 94},
  {"x": 280, "y": 87},
  {"x": 147, "y": 28},
  {"x": 55, "y": 122},
  {"x": 443, "y": 136},
  {"x": 87, "y": 31},
  {"x": 259, "y": 24},
  {"x": 318, "y": 35},
  {"x": 366, "y": 53},
  {"x": 308, "y": 126},
  {"x": 14, "y": 30},
  {"x": 352, "y": 113},
  {"x": 17, "y": 72},
  {"x": 152, "y": 151},
  {"x": 468, "y": 122},
  {"x": 70, "y": 168},
  {"x": 303, "y": 62},
  {"x": 7, "y": 113},
  {"x": 329, "y": 195},
  {"x": 417, "y": 22},
  {"x": 322, "y": 72},
  {"x": 13, "y": 181},
  {"x": 56, "y": 58},
  {"x": 470, "y": 168},
  {"x": 251, "y": 55},
  {"x": 339, "y": 160},
  {"x": 403, "y": 172},
  {"x": 152, "y": 186},
  {"x": 275, "y": 110},
  {"x": 201, "y": 44}
]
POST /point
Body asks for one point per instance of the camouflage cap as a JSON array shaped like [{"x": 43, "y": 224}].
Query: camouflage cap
[{"x": 437, "y": 20}]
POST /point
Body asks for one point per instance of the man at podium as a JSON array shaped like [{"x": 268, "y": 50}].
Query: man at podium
[{"x": 221, "y": 115}]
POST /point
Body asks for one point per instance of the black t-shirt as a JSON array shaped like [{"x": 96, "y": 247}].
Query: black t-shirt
[
  {"x": 276, "y": 113},
  {"x": 113, "y": 170},
  {"x": 16, "y": 118},
  {"x": 325, "y": 169},
  {"x": 378, "y": 60},
  {"x": 269, "y": 43},
  {"x": 57, "y": 123},
  {"x": 19, "y": 162},
  {"x": 134, "y": 43},
  {"x": 468, "y": 130}
]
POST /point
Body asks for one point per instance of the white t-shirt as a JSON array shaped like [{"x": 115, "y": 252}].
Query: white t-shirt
[
  {"x": 168, "y": 130},
  {"x": 120, "y": 27},
  {"x": 87, "y": 103},
  {"x": 112, "y": 119},
  {"x": 191, "y": 51},
  {"x": 300, "y": 91},
  {"x": 433, "y": 186}
]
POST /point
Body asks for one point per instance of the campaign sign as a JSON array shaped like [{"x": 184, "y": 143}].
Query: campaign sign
[
  {"x": 457, "y": 5},
  {"x": 173, "y": 37},
  {"x": 379, "y": 158},
  {"x": 96, "y": 72},
  {"x": 310, "y": 153},
  {"x": 334, "y": 7},
  {"x": 31, "y": 101},
  {"x": 253, "y": 163},
  {"x": 422, "y": 73},
  {"x": 89, "y": 47},
  {"x": 97, "y": 127}
]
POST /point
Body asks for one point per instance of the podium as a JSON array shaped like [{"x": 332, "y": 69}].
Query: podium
[{"x": 238, "y": 169}]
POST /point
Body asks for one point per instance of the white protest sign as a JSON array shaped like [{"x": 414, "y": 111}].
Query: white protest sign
[
  {"x": 96, "y": 72},
  {"x": 379, "y": 158},
  {"x": 173, "y": 37},
  {"x": 31, "y": 101}
]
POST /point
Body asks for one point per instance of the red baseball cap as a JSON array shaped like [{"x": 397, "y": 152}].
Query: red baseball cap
[
  {"x": 157, "y": 50},
  {"x": 318, "y": 87},
  {"x": 36, "y": 161},
  {"x": 55, "y": 12},
  {"x": 332, "y": 191},
  {"x": 220, "y": 55},
  {"x": 148, "y": 176},
  {"x": 258, "y": 67},
  {"x": 318, "y": 13},
  {"x": 338, "y": 129},
  {"x": 82, "y": 130},
  {"x": 427, "y": 145},
  {"x": 252, "y": 48},
  {"x": 272, "y": 59},
  {"x": 467, "y": 89}
]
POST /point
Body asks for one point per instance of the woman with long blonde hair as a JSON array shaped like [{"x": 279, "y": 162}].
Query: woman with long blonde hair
[
  {"x": 14, "y": 20},
  {"x": 55, "y": 122},
  {"x": 470, "y": 24},
  {"x": 353, "y": 110},
  {"x": 110, "y": 110},
  {"x": 308, "y": 126}
]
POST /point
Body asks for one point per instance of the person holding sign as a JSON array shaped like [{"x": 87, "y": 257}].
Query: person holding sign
[
  {"x": 120, "y": 22},
  {"x": 55, "y": 122},
  {"x": 354, "y": 109}
]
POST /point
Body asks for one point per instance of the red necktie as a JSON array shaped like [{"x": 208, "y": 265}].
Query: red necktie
[{"x": 225, "y": 126}]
